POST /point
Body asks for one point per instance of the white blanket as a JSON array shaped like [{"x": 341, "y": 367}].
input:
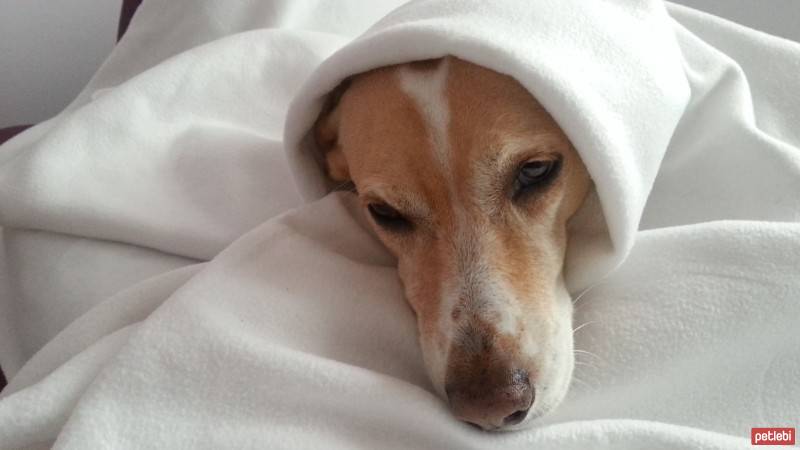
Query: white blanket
[{"x": 295, "y": 334}]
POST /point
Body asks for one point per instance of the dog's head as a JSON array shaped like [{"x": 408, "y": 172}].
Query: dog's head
[{"x": 470, "y": 183}]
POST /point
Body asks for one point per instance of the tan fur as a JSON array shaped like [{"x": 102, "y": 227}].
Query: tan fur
[{"x": 466, "y": 225}]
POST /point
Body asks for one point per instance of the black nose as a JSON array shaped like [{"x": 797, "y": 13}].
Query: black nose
[{"x": 492, "y": 402}]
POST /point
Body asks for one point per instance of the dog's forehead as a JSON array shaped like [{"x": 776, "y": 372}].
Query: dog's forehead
[
  {"x": 388, "y": 137},
  {"x": 429, "y": 127}
]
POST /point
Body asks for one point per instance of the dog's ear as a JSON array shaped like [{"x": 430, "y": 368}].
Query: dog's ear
[{"x": 326, "y": 135}]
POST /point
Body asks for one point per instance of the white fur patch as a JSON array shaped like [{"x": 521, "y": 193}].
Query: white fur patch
[{"x": 427, "y": 89}]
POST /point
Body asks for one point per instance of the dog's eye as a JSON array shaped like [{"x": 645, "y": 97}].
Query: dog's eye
[
  {"x": 388, "y": 217},
  {"x": 535, "y": 174}
]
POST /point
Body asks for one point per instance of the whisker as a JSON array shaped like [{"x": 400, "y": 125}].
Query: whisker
[
  {"x": 580, "y": 296},
  {"x": 582, "y": 325},
  {"x": 586, "y": 364},
  {"x": 585, "y": 291},
  {"x": 584, "y": 352}
]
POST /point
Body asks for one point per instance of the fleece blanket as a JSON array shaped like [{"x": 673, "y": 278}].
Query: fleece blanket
[{"x": 176, "y": 274}]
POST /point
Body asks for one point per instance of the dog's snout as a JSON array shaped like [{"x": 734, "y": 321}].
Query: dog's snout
[{"x": 496, "y": 399}]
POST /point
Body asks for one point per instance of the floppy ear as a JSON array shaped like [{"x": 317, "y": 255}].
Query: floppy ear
[{"x": 326, "y": 135}]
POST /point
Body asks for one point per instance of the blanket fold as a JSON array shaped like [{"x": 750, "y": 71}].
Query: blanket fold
[{"x": 192, "y": 282}]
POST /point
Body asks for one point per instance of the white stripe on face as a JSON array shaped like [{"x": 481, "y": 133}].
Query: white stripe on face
[
  {"x": 484, "y": 293},
  {"x": 427, "y": 89},
  {"x": 473, "y": 289}
]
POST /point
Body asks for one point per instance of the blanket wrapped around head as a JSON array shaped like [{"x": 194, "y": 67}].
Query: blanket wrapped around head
[
  {"x": 610, "y": 73},
  {"x": 296, "y": 333}
]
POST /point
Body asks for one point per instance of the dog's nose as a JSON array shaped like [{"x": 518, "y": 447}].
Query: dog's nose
[{"x": 492, "y": 405}]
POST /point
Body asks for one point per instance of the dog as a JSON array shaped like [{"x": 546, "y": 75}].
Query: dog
[{"x": 470, "y": 183}]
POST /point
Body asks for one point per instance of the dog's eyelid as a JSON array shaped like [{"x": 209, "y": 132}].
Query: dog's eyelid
[
  {"x": 389, "y": 218},
  {"x": 413, "y": 210},
  {"x": 546, "y": 154},
  {"x": 516, "y": 148},
  {"x": 553, "y": 169},
  {"x": 516, "y": 154},
  {"x": 375, "y": 200}
]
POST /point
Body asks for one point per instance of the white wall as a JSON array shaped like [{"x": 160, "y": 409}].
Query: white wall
[
  {"x": 48, "y": 51},
  {"x": 50, "y": 48},
  {"x": 778, "y": 17}
]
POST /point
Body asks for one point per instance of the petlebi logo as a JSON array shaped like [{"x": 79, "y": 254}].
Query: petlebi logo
[{"x": 772, "y": 436}]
